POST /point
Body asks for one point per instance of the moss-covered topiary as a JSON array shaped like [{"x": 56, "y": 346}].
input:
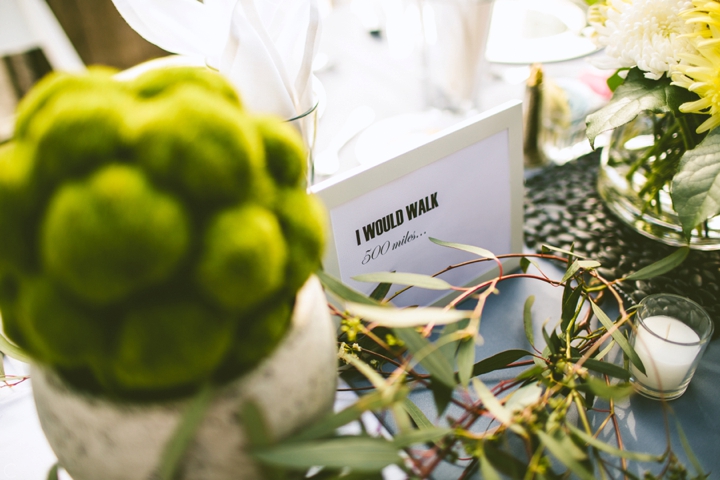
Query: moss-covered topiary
[{"x": 153, "y": 234}]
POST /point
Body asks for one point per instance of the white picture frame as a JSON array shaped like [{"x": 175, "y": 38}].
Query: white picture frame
[{"x": 493, "y": 137}]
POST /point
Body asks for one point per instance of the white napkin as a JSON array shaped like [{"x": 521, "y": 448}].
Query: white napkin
[{"x": 265, "y": 47}]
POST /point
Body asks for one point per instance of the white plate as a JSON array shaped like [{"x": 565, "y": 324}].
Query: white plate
[{"x": 533, "y": 31}]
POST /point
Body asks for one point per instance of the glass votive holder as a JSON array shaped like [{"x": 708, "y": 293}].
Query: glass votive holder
[{"x": 670, "y": 335}]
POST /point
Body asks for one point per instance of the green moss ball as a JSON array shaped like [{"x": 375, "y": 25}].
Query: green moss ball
[
  {"x": 56, "y": 85},
  {"x": 17, "y": 205},
  {"x": 285, "y": 153},
  {"x": 304, "y": 222},
  {"x": 112, "y": 235},
  {"x": 164, "y": 81},
  {"x": 243, "y": 258},
  {"x": 170, "y": 344},
  {"x": 200, "y": 147},
  {"x": 58, "y": 329},
  {"x": 79, "y": 133}
]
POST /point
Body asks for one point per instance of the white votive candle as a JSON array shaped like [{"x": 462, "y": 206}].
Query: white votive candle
[{"x": 659, "y": 344}]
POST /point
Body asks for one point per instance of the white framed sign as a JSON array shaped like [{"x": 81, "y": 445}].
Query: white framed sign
[{"x": 463, "y": 186}]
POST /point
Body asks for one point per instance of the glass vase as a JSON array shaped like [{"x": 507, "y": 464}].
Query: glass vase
[{"x": 636, "y": 169}]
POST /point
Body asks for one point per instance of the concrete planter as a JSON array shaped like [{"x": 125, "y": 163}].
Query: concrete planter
[{"x": 95, "y": 438}]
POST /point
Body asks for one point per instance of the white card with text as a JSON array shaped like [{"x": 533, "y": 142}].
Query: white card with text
[{"x": 464, "y": 186}]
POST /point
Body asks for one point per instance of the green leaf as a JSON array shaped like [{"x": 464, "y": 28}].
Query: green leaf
[
  {"x": 425, "y": 435},
  {"x": 571, "y": 270},
  {"x": 487, "y": 471},
  {"x": 449, "y": 349},
  {"x": 427, "y": 354},
  {"x": 481, "y": 252},
  {"x": 604, "y": 367},
  {"x": 53, "y": 473},
  {"x": 372, "y": 401},
  {"x": 696, "y": 185},
  {"x": 12, "y": 350},
  {"x": 363, "y": 454},
  {"x": 527, "y": 319},
  {"x": 618, "y": 337},
  {"x": 380, "y": 292},
  {"x": 399, "y": 278},
  {"x": 442, "y": 394},
  {"x": 689, "y": 452},
  {"x": 609, "y": 392},
  {"x": 342, "y": 291},
  {"x": 604, "y": 447},
  {"x": 661, "y": 266},
  {"x": 416, "y": 414},
  {"x": 546, "y": 248},
  {"x": 504, "y": 462},
  {"x": 254, "y": 424},
  {"x": 524, "y": 397},
  {"x": 465, "y": 360},
  {"x": 635, "y": 95},
  {"x": 498, "y": 361},
  {"x": 565, "y": 455},
  {"x": 406, "y": 317},
  {"x": 615, "y": 79},
  {"x": 175, "y": 449},
  {"x": 569, "y": 307},
  {"x": 588, "y": 264},
  {"x": 549, "y": 342},
  {"x": 490, "y": 402},
  {"x": 525, "y": 264}
]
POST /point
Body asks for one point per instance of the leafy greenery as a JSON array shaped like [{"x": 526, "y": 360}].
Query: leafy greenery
[
  {"x": 531, "y": 434},
  {"x": 155, "y": 232},
  {"x": 679, "y": 161}
]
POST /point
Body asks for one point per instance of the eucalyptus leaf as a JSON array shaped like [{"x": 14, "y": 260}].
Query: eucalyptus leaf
[
  {"x": 559, "y": 450},
  {"x": 570, "y": 307},
  {"x": 174, "y": 450},
  {"x": 416, "y": 414},
  {"x": 487, "y": 471},
  {"x": 525, "y": 264},
  {"x": 588, "y": 264},
  {"x": 442, "y": 394},
  {"x": 380, "y": 292},
  {"x": 254, "y": 424},
  {"x": 410, "y": 279},
  {"x": 696, "y": 185},
  {"x": 604, "y": 367},
  {"x": 635, "y": 95},
  {"x": 604, "y": 447},
  {"x": 425, "y": 435},
  {"x": 372, "y": 401},
  {"x": 661, "y": 266},
  {"x": 527, "y": 319},
  {"x": 618, "y": 337},
  {"x": 546, "y": 247},
  {"x": 610, "y": 392},
  {"x": 490, "y": 402},
  {"x": 571, "y": 270},
  {"x": 498, "y": 361},
  {"x": 524, "y": 397},
  {"x": 363, "y": 454},
  {"x": 406, "y": 317},
  {"x": 53, "y": 473},
  {"x": 12, "y": 350},
  {"x": 342, "y": 291},
  {"x": 481, "y": 252},
  {"x": 689, "y": 452},
  {"x": 466, "y": 360},
  {"x": 427, "y": 354}
]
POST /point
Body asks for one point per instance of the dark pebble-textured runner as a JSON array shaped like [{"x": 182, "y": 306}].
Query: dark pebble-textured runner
[{"x": 562, "y": 206}]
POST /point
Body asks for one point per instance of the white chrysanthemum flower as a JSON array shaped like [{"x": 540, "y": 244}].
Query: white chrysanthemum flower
[{"x": 643, "y": 33}]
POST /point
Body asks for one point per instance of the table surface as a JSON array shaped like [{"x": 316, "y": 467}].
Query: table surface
[{"x": 364, "y": 70}]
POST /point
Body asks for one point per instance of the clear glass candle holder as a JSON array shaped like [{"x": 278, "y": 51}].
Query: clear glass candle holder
[{"x": 670, "y": 334}]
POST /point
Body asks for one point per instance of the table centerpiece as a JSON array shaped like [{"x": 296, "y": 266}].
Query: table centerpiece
[
  {"x": 156, "y": 255},
  {"x": 660, "y": 170}
]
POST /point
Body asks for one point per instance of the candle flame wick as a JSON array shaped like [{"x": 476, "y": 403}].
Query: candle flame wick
[{"x": 667, "y": 333}]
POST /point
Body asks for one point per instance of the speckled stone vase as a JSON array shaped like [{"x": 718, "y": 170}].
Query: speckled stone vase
[{"x": 98, "y": 439}]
